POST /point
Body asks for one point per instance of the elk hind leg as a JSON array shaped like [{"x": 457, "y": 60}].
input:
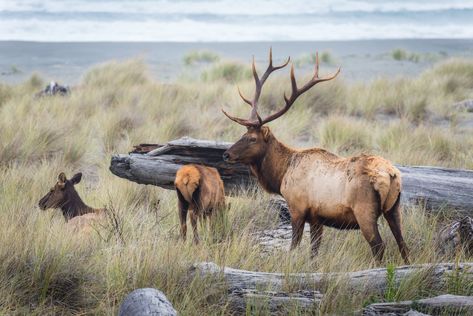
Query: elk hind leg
[
  {"x": 183, "y": 206},
  {"x": 367, "y": 220},
  {"x": 393, "y": 217},
  {"x": 194, "y": 218}
]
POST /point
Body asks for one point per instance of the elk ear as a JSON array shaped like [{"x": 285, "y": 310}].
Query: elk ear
[
  {"x": 266, "y": 132},
  {"x": 61, "y": 178},
  {"x": 76, "y": 178}
]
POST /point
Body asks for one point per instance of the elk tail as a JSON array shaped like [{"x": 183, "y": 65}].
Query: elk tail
[{"x": 187, "y": 181}]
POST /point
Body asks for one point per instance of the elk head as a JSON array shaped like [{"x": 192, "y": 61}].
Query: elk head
[
  {"x": 62, "y": 193},
  {"x": 253, "y": 144}
]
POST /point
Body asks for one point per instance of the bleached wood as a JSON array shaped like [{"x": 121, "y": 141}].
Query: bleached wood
[{"x": 434, "y": 187}]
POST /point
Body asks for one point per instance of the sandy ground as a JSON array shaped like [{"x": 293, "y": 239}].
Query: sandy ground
[{"x": 360, "y": 60}]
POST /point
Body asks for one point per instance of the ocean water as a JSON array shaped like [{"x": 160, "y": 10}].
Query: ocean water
[{"x": 232, "y": 20}]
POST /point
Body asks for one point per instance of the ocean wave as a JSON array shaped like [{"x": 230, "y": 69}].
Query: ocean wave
[
  {"x": 192, "y": 31},
  {"x": 228, "y": 20},
  {"x": 231, "y": 7}
]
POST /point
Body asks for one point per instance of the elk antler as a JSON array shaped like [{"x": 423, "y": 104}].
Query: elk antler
[
  {"x": 255, "y": 119},
  {"x": 296, "y": 92}
]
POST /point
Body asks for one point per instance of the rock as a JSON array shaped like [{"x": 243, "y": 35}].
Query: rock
[
  {"x": 54, "y": 89},
  {"x": 146, "y": 302}
]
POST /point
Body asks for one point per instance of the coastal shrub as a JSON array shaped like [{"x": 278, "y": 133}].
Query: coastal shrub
[
  {"x": 325, "y": 57},
  {"x": 401, "y": 54},
  {"x": 117, "y": 74},
  {"x": 343, "y": 135},
  {"x": 5, "y": 93},
  {"x": 229, "y": 71},
  {"x": 203, "y": 56}
]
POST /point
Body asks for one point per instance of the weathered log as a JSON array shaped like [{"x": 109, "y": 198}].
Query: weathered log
[
  {"x": 455, "y": 236},
  {"x": 439, "y": 305},
  {"x": 373, "y": 281},
  {"x": 434, "y": 187},
  {"x": 273, "y": 303},
  {"x": 159, "y": 166}
]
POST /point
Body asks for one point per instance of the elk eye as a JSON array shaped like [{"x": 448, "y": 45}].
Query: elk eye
[{"x": 253, "y": 140}]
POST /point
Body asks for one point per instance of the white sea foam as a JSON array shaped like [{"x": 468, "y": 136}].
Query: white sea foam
[{"x": 229, "y": 20}]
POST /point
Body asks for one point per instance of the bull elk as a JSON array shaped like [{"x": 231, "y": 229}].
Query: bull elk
[
  {"x": 320, "y": 187},
  {"x": 63, "y": 195},
  {"x": 199, "y": 189}
]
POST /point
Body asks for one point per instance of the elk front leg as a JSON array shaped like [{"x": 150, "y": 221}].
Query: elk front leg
[
  {"x": 297, "y": 223},
  {"x": 316, "y": 230}
]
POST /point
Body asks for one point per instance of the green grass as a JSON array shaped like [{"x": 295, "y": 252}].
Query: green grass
[
  {"x": 228, "y": 71},
  {"x": 325, "y": 57},
  {"x": 46, "y": 270},
  {"x": 400, "y": 54},
  {"x": 204, "y": 56}
]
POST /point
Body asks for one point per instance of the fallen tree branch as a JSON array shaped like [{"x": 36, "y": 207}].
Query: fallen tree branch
[
  {"x": 373, "y": 281},
  {"x": 433, "y": 187},
  {"x": 439, "y": 305},
  {"x": 273, "y": 303}
]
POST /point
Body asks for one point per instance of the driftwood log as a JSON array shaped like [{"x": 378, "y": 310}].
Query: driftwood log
[
  {"x": 374, "y": 281},
  {"x": 455, "y": 236},
  {"x": 434, "y": 187},
  {"x": 255, "y": 302},
  {"x": 439, "y": 305}
]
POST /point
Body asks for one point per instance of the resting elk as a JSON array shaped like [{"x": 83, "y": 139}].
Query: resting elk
[
  {"x": 320, "y": 187},
  {"x": 199, "y": 189},
  {"x": 63, "y": 195}
]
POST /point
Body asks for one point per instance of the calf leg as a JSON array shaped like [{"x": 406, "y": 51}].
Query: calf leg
[
  {"x": 183, "y": 206},
  {"x": 367, "y": 220},
  {"x": 316, "y": 230},
  {"x": 297, "y": 223},
  {"x": 393, "y": 217},
  {"x": 194, "y": 218}
]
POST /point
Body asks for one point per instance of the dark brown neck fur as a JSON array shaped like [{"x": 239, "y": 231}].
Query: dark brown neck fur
[
  {"x": 271, "y": 168},
  {"x": 74, "y": 206}
]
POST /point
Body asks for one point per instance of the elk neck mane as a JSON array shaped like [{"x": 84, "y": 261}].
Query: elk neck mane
[{"x": 273, "y": 165}]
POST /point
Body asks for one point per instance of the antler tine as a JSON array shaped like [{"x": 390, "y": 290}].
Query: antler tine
[
  {"x": 240, "y": 121},
  {"x": 271, "y": 68},
  {"x": 296, "y": 92},
  {"x": 243, "y": 97},
  {"x": 260, "y": 82},
  {"x": 255, "y": 119}
]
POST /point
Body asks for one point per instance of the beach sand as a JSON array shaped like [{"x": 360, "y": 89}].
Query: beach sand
[{"x": 360, "y": 60}]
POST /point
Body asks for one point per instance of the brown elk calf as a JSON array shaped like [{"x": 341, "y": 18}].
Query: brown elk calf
[
  {"x": 63, "y": 195},
  {"x": 320, "y": 187},
  {"x": 199, "y": 189}
]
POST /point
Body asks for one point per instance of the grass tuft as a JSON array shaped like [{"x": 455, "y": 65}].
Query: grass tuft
[{"x": 44, "y": 269}]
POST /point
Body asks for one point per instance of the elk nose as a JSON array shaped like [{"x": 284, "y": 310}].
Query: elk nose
[{"x": 226, "y": 156}]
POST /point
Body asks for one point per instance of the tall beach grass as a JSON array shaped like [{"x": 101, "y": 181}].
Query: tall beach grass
[{"x": 46, "y": 270}]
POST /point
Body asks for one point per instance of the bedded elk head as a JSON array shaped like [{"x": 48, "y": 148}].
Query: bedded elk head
[
  {"x": 253, "y": 144},
  {"x": 62, "y": 193}
]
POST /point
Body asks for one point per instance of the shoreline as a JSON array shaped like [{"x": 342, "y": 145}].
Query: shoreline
[{"x": 67, "y": 62}]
